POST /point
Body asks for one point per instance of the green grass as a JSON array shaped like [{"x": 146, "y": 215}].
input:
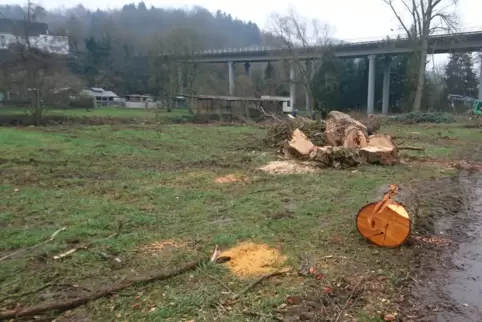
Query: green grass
[
  {"x": 158, "y": 180},
  {"x": 101, "y": 113}
]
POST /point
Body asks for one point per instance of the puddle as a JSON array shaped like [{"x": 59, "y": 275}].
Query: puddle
[
  {"x": 452, "y": 291},
  {"x": 465, "y": 278}
]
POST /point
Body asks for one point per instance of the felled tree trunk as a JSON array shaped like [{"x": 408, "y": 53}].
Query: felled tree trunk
[
  {"x": 336, "y": 156},
  {"x": 342, "y": 130},
  {"x": 380, "y": 150},
  {"x": 354, "y": 137}
]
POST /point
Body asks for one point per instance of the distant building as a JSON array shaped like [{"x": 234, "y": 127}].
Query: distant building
[
  {"x": 139, "y": 101},
  {"x": 102, "y": 96},
  {"x": 284, "y": 101},
  {"x": 13, "y": 32}
]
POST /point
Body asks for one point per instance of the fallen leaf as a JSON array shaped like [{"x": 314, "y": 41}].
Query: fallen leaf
[
  {"x": 319, "y": 276},
  {"x": 293, "y": 300},
  {"x": 389, "y": 317},
  {"x": 312, "y": 270},
  {"x": 328, "y": 290}
]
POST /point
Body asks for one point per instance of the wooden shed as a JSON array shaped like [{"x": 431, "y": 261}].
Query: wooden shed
[{"x": 242, "y": 107}]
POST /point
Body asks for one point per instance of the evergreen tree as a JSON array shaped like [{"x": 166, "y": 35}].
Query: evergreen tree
[
  {"x": 470, "y": 77},
  {"x": 460, "y": 77}
]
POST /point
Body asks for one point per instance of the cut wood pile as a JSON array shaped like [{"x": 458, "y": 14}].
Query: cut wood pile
[
  {"x": 346, "y": 143},
  {"x": 279, "y": 133}
]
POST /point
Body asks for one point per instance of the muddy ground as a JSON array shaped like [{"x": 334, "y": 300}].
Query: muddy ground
[{"x": 447, "y": 285}]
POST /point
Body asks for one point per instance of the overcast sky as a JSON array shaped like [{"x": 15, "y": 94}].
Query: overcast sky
[{"x": 349, "y": 19}]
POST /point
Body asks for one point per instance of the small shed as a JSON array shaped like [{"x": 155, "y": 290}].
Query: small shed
[
  {"x": 102, "y": 96},
  {"x": 245, "y": 107},
  {"x": 139, "y": 101}
]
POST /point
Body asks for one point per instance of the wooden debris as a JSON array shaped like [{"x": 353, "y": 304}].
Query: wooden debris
[
  {"x": 89, "y": 245},
  {"x": 256, "y": 282},
  {"x": 381, "y": 150},
  {"x": 349, "y": 145},
  {"x": 301, "y": 143},
  {"x": 23, "y": 250},
  {"x": 215, "y": 254},
  {"x": 414, "y": 148},
  {"x": 69, "y": 252},
  {"x": 280, "y": 133},
  {"x": 336, "y": 157},
  {"x": 106, "y": 291}
]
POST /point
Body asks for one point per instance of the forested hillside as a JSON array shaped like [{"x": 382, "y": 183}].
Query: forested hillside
[
  {"x": 137, "y": 23},
  {"x": 122, "y": 50}
]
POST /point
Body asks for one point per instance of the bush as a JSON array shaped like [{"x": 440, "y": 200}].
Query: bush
[
  {"x": 425, "y": 117},
  {"x": 82, "y": 102}
]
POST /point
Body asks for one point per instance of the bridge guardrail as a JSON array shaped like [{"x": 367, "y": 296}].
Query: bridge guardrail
[{"x": 217, "y": 51}]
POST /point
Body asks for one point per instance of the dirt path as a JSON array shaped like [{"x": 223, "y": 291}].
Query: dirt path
[{"x": 452, "y": 291}]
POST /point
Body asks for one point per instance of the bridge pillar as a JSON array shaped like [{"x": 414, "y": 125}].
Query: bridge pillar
[
  {"x": 480, "y": 76},
  {"x": 231, "y": 72},
  {"x": 386, "y": 89},
  {"x": 180, "y": 83},
  {"x": 292, "y": 85},
  {"x": 371, "y": 85},
  {"x": 247, "y": 69},
  {"x": 310, "y": 73}
]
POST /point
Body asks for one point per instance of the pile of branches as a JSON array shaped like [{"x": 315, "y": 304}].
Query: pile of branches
[{"x": 279, "y": 133}]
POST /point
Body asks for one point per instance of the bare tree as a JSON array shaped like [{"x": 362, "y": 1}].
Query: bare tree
[
  {"x": 174, "y": 67},
  {"x": 425, "y": 17},
  {"x": 297, "y": 35},
  {"x": 33, "y": 70}
]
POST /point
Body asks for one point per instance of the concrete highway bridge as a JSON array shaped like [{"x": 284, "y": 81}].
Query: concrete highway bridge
[{"x": 438, "y": 44}]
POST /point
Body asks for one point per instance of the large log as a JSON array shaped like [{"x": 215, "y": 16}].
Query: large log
[
  {"x": 354, "y": 137},
  {"x": 380, "y": 150},
  {"x": 386, "y": 222},
  {"x": 342, "y": 130},
  {"x": 300, "y": 142}
]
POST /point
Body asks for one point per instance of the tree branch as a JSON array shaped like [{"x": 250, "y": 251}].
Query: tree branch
[{"x": 399, "y": 18}]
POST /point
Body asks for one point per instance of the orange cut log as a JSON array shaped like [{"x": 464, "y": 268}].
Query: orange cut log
[{"x": 392, "y": 225}]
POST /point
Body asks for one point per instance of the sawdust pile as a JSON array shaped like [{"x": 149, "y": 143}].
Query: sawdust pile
[
  {"x": 162, "y": 245},
  {"x": 227, "y": 179},
  {"x": 288, "y": 167},
  {"x": 250, "y": 259}
]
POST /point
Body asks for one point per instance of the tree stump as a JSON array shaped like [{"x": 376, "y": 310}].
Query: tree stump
[
  {"x": 342, "y": 130},
  {"x": 380, "y": 150}
]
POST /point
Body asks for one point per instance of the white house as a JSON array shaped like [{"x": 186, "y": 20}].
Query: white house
[
  {"x": 14, "y": 32},
  {"x": 102, "y": 96}
]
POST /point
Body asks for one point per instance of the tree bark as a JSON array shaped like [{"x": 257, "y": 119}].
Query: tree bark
[{"x": 417, "y": 104}]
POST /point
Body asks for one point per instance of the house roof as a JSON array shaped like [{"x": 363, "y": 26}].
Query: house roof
[
  {"x": 96, "y": 91},
  {"x": 138, "y": 95}
]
